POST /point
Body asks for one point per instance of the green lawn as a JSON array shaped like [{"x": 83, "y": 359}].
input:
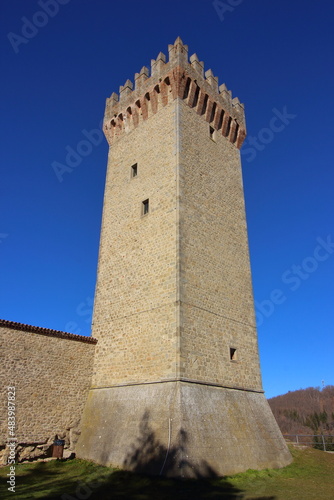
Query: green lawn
[{"x": 310, "y": 476}]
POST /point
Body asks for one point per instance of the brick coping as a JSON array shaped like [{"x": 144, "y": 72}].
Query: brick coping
[{"x": 46, "y": 331}]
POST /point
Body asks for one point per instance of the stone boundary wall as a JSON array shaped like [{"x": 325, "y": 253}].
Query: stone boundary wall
[{"x": 51, "y": 372}]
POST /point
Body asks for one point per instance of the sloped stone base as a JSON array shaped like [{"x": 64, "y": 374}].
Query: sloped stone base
[{"x": 181, "y": 429}]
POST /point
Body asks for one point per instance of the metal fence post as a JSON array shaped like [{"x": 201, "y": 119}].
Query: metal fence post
[{"x": 323, "y": 441}]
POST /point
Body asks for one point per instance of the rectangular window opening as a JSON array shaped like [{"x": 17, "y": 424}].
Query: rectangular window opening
[
  {"x": 196, "y": 96},
  {"x": 212, "y": 133},
  {"x": 145, "y": 207},
  {"x": 235, "y": 135},
  {"x": 220, "y": 122},
  {"x": 233, "y": 354},
  {"x": 186, "y": 88},
  {"x": 228, "y": 127},
  {"x": 205, "y": 103},
  {"x": 213, "y": 112},
  {"x": 134, "y": 170}
]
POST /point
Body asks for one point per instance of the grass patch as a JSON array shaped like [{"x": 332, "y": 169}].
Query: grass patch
[{"x": 309, "y": 477}]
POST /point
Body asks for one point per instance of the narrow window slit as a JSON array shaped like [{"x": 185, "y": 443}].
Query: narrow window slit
[
  {"x": 145, "y": 207},
  {"x": 213, "y": 112},
  {"x": 134, "y": 170},
  {"x": 233, "y": 354},
  {"x": 220, "y": 122},
  {"x": 228, "y": 127},
  {"x": 235, "y": 135},
  {"x": 196, "y": 96},
  {"x": 205, "y": 103},
  {"x": 186, "y": 88}
]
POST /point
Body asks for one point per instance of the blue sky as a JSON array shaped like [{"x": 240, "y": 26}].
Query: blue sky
[{"x": 57, "y": 69}]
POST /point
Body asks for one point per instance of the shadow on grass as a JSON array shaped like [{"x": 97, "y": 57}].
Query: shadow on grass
[
  {"x": 130, "y": 486},
  {"x": 41, "y": 483},
  {"x": 37, "y": 480},
  {"x": 122, "y": 485},
  {"x": 146, "y": 459},
  {"x": 82, "y": 480}
]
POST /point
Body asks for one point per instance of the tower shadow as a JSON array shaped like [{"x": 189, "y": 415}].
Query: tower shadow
[
  {"x": 149, "y": 456},
  {"x": 182, "y": 479},
  {"x": 152, "y": 471}
]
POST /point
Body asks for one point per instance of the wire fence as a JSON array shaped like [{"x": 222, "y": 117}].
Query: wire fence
[{"x": 323, "y": 442}]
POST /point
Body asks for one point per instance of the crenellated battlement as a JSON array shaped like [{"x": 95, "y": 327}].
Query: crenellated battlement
[{"x": 165, "y": 81}]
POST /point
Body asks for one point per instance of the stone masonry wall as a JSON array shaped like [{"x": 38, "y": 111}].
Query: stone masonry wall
[
  {"x": 134, "y": 310},
  {"x": 176, "y": 386},
  {"x": 174, "y": 292},
  {"x": 216, "y": 290},
  {"x": 51, "y": 372}
]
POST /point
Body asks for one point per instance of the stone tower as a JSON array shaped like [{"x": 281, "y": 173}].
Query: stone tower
[{"x": 176, "y": 388}]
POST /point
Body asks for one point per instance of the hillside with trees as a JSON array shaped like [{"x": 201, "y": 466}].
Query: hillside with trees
[{"x": 306, "y": 411}]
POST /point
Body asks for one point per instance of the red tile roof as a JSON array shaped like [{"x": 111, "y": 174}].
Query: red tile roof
[{"x": 46, "y": 331}]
